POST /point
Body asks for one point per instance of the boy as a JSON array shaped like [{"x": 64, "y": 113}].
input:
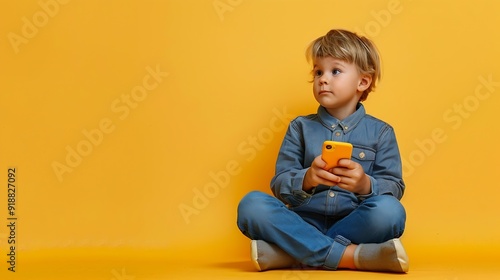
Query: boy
[{"x": 347, "y": 217}]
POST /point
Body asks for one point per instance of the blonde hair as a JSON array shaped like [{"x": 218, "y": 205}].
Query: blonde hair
[{"x": 350, "y": 47}]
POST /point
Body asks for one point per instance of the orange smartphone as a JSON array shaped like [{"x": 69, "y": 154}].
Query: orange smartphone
[{"x": 333, "y": 151}]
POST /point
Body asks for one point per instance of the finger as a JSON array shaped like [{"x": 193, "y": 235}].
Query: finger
[
  {"x": 328, "y": 178},
  {"x": 319, "y": 162},
  {"x": 347, "y": 163},
  {"x": 321, "y": 181},
  {"x": 339, "y": 171},
  {"x": 346, "y": 184},
  {"x": 345, "y": 187},
  {"x": 342, "y": 171}
]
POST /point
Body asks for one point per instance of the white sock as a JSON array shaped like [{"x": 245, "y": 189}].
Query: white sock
[
  {"x": 266, "y": 256},
  {"x": 387, "y": 256}
]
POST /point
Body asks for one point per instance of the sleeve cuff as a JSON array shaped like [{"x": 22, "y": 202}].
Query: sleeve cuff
[
  {"x": 297, "y": 195},
  {"x": 374, "y": 190}
]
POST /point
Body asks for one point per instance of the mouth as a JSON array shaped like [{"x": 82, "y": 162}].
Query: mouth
[{"x": 323, "y": 92}]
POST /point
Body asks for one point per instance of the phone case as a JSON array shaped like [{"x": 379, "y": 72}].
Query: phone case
[{"x": 333, "y": 151}]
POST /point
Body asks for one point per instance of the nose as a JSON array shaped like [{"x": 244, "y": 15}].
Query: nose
[{"x": 323, "y": 80}]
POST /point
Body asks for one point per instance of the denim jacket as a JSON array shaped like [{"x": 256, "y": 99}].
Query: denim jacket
[{"x": 374, "y": 147}]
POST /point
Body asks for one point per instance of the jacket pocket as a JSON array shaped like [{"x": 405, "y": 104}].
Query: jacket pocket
[{"x": 365, "y": 157}]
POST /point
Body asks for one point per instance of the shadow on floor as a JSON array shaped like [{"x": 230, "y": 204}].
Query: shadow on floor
[{"x": 243, "y": 266}]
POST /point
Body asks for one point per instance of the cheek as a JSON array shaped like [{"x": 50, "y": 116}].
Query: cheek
[
  {"x": 315, "y": 86},
  {"x": 315, "y": 91}
]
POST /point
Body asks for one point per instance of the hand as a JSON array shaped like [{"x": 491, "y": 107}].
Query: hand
[
  {"x": 317, "y": 175},
  {"x": 352, "y": 177}
]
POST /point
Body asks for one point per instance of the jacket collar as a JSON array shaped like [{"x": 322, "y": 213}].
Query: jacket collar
[{"x": 346, "y": 124}]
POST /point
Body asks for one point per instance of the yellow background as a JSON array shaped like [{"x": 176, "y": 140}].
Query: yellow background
[{"x": 208, "y": 129}]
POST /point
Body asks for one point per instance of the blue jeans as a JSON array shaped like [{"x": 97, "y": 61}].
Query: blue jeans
[{"x": 318, "y": 240}]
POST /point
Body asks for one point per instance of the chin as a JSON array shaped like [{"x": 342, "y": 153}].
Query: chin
[{"x": 325, "y": 101}]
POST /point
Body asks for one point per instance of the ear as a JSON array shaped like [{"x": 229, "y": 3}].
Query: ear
[{"x": 364, "y": 82}]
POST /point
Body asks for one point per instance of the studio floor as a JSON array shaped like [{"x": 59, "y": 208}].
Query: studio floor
[
  {"x": 232, "y": 270},
  {"x": 123, "y": 267}
]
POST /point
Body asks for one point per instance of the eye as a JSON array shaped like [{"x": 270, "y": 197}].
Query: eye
[
  {"x": 335, "y": 71},
  {"x": 318, "y": 73}
]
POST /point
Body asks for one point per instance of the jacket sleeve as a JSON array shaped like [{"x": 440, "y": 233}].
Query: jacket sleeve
[
  {"x": 290, "y": 170},
  {"x": 387, "y": 178}
]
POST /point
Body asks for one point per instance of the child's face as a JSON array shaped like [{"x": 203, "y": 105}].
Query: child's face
[{"x": 338, "y": 85}]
